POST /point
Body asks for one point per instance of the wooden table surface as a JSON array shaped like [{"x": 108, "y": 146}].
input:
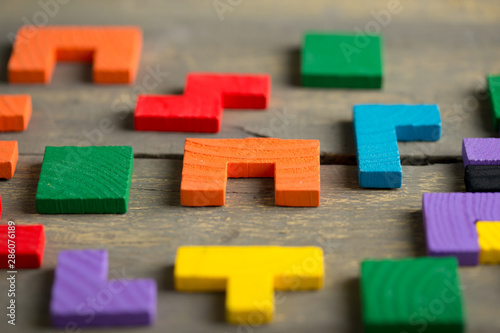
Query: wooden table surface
[{"x": 435, "y": 52}]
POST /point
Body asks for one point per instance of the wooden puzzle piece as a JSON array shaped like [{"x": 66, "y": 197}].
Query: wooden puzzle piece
[
  {"x": 377, "y": 128},
  {"x": 494, "y": 90},
  {"x": 200, "y": 108},
  {"x": 80, "y": 180},
  {"x": 114, "y": 51},
  {"x": 15, "y": 112},
  {"x": 332, "y": 60},
  {"x": 9, "y": 155},
  {"x": 482, "y": 178},
  {"x": 481, "y": 151},
  {"x": 24, "y": 244},
  {"x": 248, "y": 275},
  {"x": 208, "y": 163},
  {"x": 82, "y": 296},
  {"x": 402, "y": 295},
  {"x": 489, "y": 242},
  {"x": 450, "y": 223}
]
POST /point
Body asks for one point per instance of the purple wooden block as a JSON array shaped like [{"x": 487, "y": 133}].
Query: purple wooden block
[
  {"x": 481, "y": 151},
  {"x": 450, "y": 223},
  {"x": 82, "y": 295}
]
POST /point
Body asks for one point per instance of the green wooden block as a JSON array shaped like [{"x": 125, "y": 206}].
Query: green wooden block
[
  {"x": 494, "y": 88},
  {"x": 411, "y": 295},
  {"x": 334, "y": 60},
  {"x": 79, "y": 180}
]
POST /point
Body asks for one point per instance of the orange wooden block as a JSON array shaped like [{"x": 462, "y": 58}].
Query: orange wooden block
[
  {"x": 115, "y": 52},
  {"x": 15, "y": 112},
  {"x": 8, "y": 158},
  {"x": 294, "y": 164}
]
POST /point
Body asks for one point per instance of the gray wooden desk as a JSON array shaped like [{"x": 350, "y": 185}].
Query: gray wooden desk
[{"x": 435, "y": 52}]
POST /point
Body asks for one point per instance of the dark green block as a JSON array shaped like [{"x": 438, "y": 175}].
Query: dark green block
[
  {"x": 411, "y": 295},
  {"x": 333, "y": 60},
  {"x": 79, "y": 180},
  {"x": 494, "y": 89}
]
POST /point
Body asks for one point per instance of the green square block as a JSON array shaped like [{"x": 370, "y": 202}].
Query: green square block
[
  {"x": 80, "y": 180},
  {"x": 333, "y": 60},
  {"x": 411, "y": 295},
  {"x": 494, "y": 89}
]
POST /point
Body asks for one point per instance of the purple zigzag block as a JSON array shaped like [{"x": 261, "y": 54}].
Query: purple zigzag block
[
  {"x": 82, "y": 295},
  {"x": 450, "y": 223},
  {"x": 481, "y": 151}
]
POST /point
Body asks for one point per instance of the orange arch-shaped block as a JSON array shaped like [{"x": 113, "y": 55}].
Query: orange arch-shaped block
[
  {"x": 114, "y": 51},
  {"x": 208, "y": 163}
]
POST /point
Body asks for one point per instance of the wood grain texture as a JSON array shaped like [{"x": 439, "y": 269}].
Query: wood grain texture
[
  {"x": 481, "y": 151},
  {"x": 350, "y": 225},
  {"x": 444, "y": 61},
  {"x": 294, "y": 165}
]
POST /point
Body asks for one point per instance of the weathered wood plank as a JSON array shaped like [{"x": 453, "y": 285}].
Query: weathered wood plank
[
  {"x": 434, "y": 53},
  {"x": 351, "y": 224}
]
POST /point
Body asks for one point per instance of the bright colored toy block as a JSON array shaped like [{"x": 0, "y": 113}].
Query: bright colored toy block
[
  {"x": 26, "y": 241},
  {"x": 9, "y": 154},
  {"x": 489, "y": 242},
  {"x": 248, "y": 275},
  {"x": 15, "y": 112},
  {"x": 200, "y": 108},
  {"x": 481, "y": 151},
  {"x": 494, "y": 90},
  {"x": 79, "y": 180},
  {"x": 450, "y": 223},
  {"x": 403, "y": 295},
  {"x": 114, "y": 51},
  {"x": 377, "y": 128},
  {"x": 341, "y": 60},
  {"x": 482, "y": 178},
  {"x": 208, "y": 163},
  {"x": 82, "y": 296}
]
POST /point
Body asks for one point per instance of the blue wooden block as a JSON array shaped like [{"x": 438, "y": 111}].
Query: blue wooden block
[{"x": 378, "y": 128}]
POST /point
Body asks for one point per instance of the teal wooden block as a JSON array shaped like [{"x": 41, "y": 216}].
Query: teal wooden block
[
  {"x": 80, "y": 180},
  {"x": 378, "y": 128},
  {"x": 341, "y": 60},
  {"x": 411, "y": 295}
]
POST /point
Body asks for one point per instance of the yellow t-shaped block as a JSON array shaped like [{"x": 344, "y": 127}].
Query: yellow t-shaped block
[
  {"x": 489, "y": 242},
  {"x": 249, "y": 275}
]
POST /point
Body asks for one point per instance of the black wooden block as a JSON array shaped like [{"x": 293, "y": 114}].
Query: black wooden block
[{"x": 482, "y": 178}]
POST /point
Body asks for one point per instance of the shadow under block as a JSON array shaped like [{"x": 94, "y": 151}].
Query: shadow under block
[
  {"x": 249, "y": 275},
  {"x": 82, "y": 296},
  {"x": 15, "y": 112},
  {"x": 114, "y": 51},
  {"x": 450, "y": 223},
  {"x": 200, "y": 108},
  {"x": 208, "y": 163},
  {"x": 489, "y": 242},
  {"x": 341, "y": 60},
  {"x": 482, "y": 178},
  {"x": 9, "y": 155},
  {"x": 481, "y": 151},
  {"x": 28, "y": 243},
  {"x": 403, "y": 295},
  {"x": 494, "y": 90},
  {"x": 79, "y": 180},
  {"x": 377, "y": 130}
]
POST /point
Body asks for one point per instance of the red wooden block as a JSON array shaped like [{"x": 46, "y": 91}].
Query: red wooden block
[
  {"x": 29, "y": 242},
  {"x": 114, "y": 51},
  {"x": 200, "y": 108}
]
